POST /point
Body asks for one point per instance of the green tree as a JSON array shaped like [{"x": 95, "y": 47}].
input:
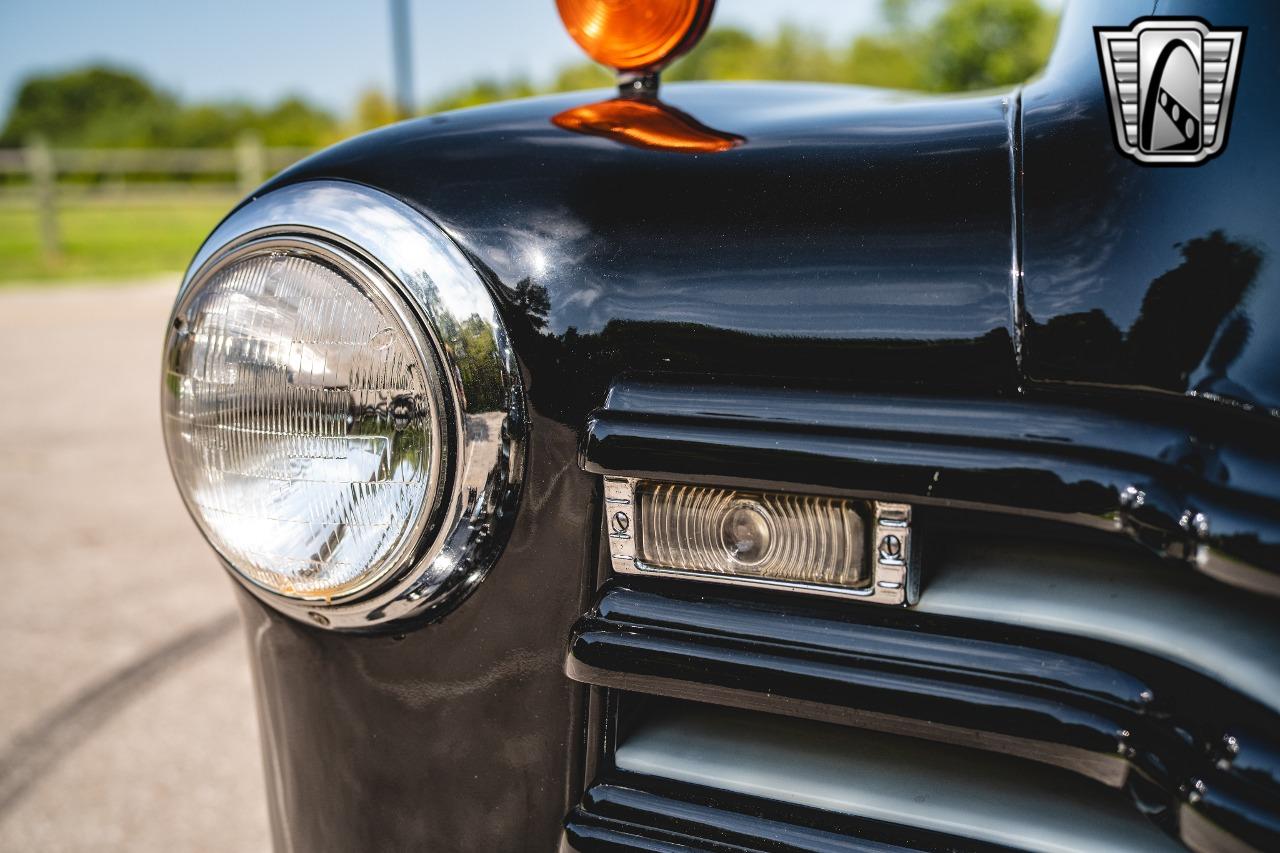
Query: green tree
[
  {"x": 483, "y": 92},
  {"x": 978, "y": 44},
  {"x": 581, "y": 75},
  {"x": 955, "y": 46},
  {"x": 292, "y": 121},
  {"x": 797, "y": 54},
  {"x": 925, "y": 45},
  {"x": 106, "y": 107},
  {"x": 89, "y": 106},
  {"x": 373, "y": 109},
  {"x": 204, "y": 125},
  {"x": 725, "y": 53},
  {"x": 887, "y": 61}
]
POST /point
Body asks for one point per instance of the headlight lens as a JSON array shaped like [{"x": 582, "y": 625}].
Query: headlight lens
[{"x": 303, "y": 418}]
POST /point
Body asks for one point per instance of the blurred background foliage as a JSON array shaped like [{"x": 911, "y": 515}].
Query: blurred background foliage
[
  {"x": 107, "y": 108},
  {"x": 923, "y": 45},
  {"x": 76, "y": 218}
]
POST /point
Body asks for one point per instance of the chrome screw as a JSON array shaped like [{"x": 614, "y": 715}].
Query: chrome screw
[
  {"x": 621, "y": 522},
  {"x": 891, "y": 548}
]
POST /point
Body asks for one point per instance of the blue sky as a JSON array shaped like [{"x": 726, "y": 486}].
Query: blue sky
[{"x": 328, "y": 50}]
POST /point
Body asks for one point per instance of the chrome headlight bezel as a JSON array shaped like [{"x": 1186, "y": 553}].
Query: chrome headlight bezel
[{"x": 478, "y": 401}]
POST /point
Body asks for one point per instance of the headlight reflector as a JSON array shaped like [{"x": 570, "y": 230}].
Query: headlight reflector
[{"x": 302, "y": 414}]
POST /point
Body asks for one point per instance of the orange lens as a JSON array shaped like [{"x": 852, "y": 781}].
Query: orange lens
[{"x": 635, "y": 35}]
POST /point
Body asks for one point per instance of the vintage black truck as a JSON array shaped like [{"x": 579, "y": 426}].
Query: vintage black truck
[{"x": 764, "y": 467}]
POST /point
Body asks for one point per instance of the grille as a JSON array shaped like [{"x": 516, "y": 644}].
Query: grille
[{"x": 1082, "y": 652}]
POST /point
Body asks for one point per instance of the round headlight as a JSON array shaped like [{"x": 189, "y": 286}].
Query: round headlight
[
  {"x": 340, "y": 407},
  {"x": 303, "y": 418}
]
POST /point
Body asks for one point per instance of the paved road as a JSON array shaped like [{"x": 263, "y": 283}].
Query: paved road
[{"x": 126, "y": 711}]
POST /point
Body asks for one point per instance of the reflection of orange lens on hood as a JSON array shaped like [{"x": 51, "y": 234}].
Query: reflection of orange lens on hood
[
  {"x": 646, "y": 123},
  {"x": 635, "y": 35}
]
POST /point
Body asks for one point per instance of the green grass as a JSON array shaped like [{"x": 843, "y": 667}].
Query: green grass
[{"x": 105, "y": 240}]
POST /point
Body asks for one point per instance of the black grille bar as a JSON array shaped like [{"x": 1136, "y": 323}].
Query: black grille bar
[
  {"x": 1190, "y": 493},
  {"x": 630, "y": 813},
  {"x": 1048, "y": 698}
]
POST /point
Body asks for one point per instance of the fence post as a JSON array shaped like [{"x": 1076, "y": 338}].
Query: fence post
[
  {"x": 44, "y": 180},
  {"x": 251, "y": 162}
]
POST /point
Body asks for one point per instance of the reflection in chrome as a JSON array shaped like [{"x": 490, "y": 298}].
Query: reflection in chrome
[{"x": 458, "y": 429}]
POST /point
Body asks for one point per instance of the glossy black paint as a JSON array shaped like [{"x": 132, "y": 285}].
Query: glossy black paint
[
  {"x": 628, "y": 813},
  {"x": 1074, "y": 464},
  {"x": 847, "y": 227},
  {"x": 804, "y": 662},
  {"x": 1076, "y": 704},
  {"x": 1160, "y": 279},
  {"x": 854, "y": 241}
]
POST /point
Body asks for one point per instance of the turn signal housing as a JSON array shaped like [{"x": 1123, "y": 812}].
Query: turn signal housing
[
  {"x": 635, "y": 36},
  {"x": 836, "y": 546}
]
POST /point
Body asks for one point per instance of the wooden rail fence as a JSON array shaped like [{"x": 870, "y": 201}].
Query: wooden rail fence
[{"x": 249, "y": 163}]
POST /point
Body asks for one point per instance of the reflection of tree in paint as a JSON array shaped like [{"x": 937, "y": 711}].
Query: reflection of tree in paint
[
  {"x": 1227, "y": 347},
  {"x": 1184, "y": 308},
  {"x": 1188, "y": 318},
  {"x": 533, "y": 301}
]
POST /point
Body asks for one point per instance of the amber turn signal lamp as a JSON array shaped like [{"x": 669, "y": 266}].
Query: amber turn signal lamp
[
  {"x": 635, "y": 36},
  {"x": 648, "y": 124}
]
